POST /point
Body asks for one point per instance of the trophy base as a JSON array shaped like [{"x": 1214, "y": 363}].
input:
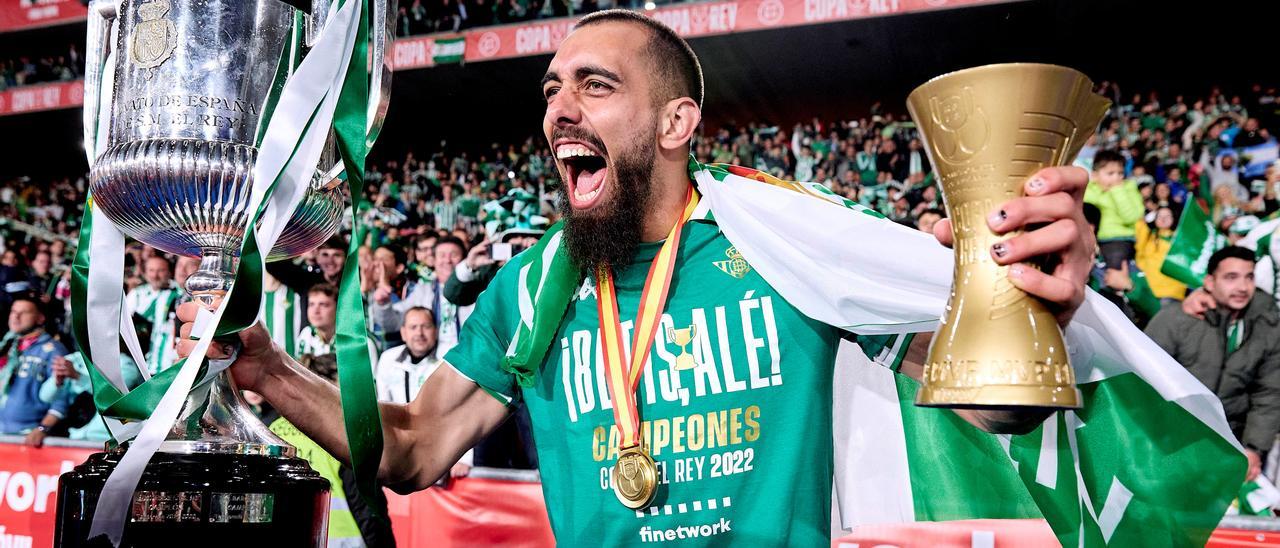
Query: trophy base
[
  {"x": 999, "y": 397},
  {"x": 201, "y": 498}
]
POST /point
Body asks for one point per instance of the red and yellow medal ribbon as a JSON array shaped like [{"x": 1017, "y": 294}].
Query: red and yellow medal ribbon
[{"x": 624, "y": 378}]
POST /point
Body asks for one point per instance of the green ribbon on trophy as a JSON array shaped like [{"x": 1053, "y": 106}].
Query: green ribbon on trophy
[{"x": 297, "y": 121}]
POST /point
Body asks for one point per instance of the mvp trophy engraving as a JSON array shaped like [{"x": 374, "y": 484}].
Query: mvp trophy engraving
[
  {"x": 987, "y": 130},
  {"x": 682, "y": 338},
  {"x": 193, "y": 81}
]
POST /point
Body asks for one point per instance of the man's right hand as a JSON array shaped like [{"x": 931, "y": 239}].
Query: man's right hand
[
  {"x": 479, "y": 255},
  {"x": 63, "y": 370},
  {"x": 1255, "y": 464},
  {"x": 259, "y": 355},
  {"x": 1198, "y": 302}
]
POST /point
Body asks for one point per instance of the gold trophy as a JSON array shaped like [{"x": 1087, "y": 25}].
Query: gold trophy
[{"x": 987, "y": 130}]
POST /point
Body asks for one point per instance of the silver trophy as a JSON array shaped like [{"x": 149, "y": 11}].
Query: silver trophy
[{"x": 193, "y": 79}]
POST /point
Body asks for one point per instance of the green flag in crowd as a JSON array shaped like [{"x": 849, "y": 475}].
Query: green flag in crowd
[
  {"x": 1141, "y": 297},
  {"x": 448, "y": 50},
  {"x": 1194, "y": 242}
]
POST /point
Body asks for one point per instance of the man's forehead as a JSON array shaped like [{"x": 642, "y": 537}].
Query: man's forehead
[{"x": 608, "y": 45}]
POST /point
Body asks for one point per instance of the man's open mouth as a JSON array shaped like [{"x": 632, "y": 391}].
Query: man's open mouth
[{"x": 586, "y": 171}]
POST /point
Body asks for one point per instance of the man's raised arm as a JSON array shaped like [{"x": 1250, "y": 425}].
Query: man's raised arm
[{"x": 421, "y": 440}]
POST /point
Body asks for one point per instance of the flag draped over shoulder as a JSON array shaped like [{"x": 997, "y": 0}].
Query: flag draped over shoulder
[{"x": 1148, "y": 460}]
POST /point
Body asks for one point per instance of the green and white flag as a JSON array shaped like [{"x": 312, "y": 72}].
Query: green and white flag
[
  {"x": 1263, "y": 241},
  {"x": 1194, "y": 242},
  {"x": 1257, "y": 498},
  {"x": 448, "y": 50},
  {"x": 1148, "y": 460}
]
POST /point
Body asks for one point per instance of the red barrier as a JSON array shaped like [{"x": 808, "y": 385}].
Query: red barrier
[
  {"x": 26, "y": 14},
  {"x": 489, "y": 512},
  {"x": 472, "y": 512},
  {"x": 28, "y": 487},
  {"x": 997, "y": 533}
]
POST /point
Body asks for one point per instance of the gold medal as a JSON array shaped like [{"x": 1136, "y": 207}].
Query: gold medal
[{"x": 635, "y": 478}]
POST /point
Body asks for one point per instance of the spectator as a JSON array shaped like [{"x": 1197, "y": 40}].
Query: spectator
[
  {"x": 928, "y": 218},
  {"x": 27, "y": 355},
  {"x": 316, "y": 339},
  {"x": 1120, "y": 204},
  {"x": 389, "y": 312},
  {"x": 281, "y": 313},
  {"x": 326, "y": 267},
  {"x": 1154, "y": 239},
  {"x": 1234, "y": 350},
  {"x": 156, "y": 303},
  {"x": 403, "y": 369}
]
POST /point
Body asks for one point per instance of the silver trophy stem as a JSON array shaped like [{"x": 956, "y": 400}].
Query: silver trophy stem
[
  {"x": 215, "y": 419},
  {"x": 211, "y": 281}
]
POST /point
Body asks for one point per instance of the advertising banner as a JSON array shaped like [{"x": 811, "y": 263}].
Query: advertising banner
[
  {"x": 25, "y": 14},
  {"x": 39, "y": 97}
]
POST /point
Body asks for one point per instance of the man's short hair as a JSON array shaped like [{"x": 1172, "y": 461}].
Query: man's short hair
[
  {"x": 677, "y": 65},
  {"x": 450, "y": 240},
  {"x": 397, "y": 251},
  {"x": 1104, "y": 157},
  {"x": 935, "y": 211},
  {"x": 335, "y": 242},
  {"x": 423, "y": 310},
  {"x": 1093, "y": 216},
  {"x": 30, "y": 297},
  {"x": 159, "y": 257},
  {"x": 325, "y": 288},
  {"x": 1229, "y": 252}
]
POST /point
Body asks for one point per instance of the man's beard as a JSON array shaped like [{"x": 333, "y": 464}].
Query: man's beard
[{"x": 609, "y": 234}]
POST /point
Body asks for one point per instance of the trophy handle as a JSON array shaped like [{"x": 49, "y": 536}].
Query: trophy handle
[
  {"x": 101, "y": 23},
  {"x": 382, "y": 37}
]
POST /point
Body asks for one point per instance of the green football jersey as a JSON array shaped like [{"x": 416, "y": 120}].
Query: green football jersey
[{"x": 735, "y": 403}]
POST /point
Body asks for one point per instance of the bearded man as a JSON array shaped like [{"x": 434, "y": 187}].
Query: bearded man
[{"x": 736, "y": 398}]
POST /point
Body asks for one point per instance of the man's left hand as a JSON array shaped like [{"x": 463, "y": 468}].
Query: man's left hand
[
  {"x": 1052, "y": 197},
  {"x": 1255, "y": 464},
  {"x": 35, "y": 438}
]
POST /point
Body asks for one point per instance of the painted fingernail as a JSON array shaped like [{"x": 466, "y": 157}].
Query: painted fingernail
[
  {"x": 997, "y": 218},
  {"x": 1015, "y": 271},
  {"x": 1000, "y": 249},
  {"x": 1036, "y": 184}
]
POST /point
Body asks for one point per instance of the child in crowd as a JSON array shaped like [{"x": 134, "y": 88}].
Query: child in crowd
[{"x": 1120, "y": 203}]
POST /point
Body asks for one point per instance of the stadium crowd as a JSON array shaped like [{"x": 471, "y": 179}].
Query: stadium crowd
[
  {"x": 443, "y": 219},
  {"x": 60, "y": 66}
]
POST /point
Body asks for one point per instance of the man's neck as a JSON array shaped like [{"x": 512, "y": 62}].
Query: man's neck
[
  {"x": 325, "y": 334},
  {"x": 415, "y": 357},
  {"x": 671, "y": 187},
  {"x": 31, "y": 335}
]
